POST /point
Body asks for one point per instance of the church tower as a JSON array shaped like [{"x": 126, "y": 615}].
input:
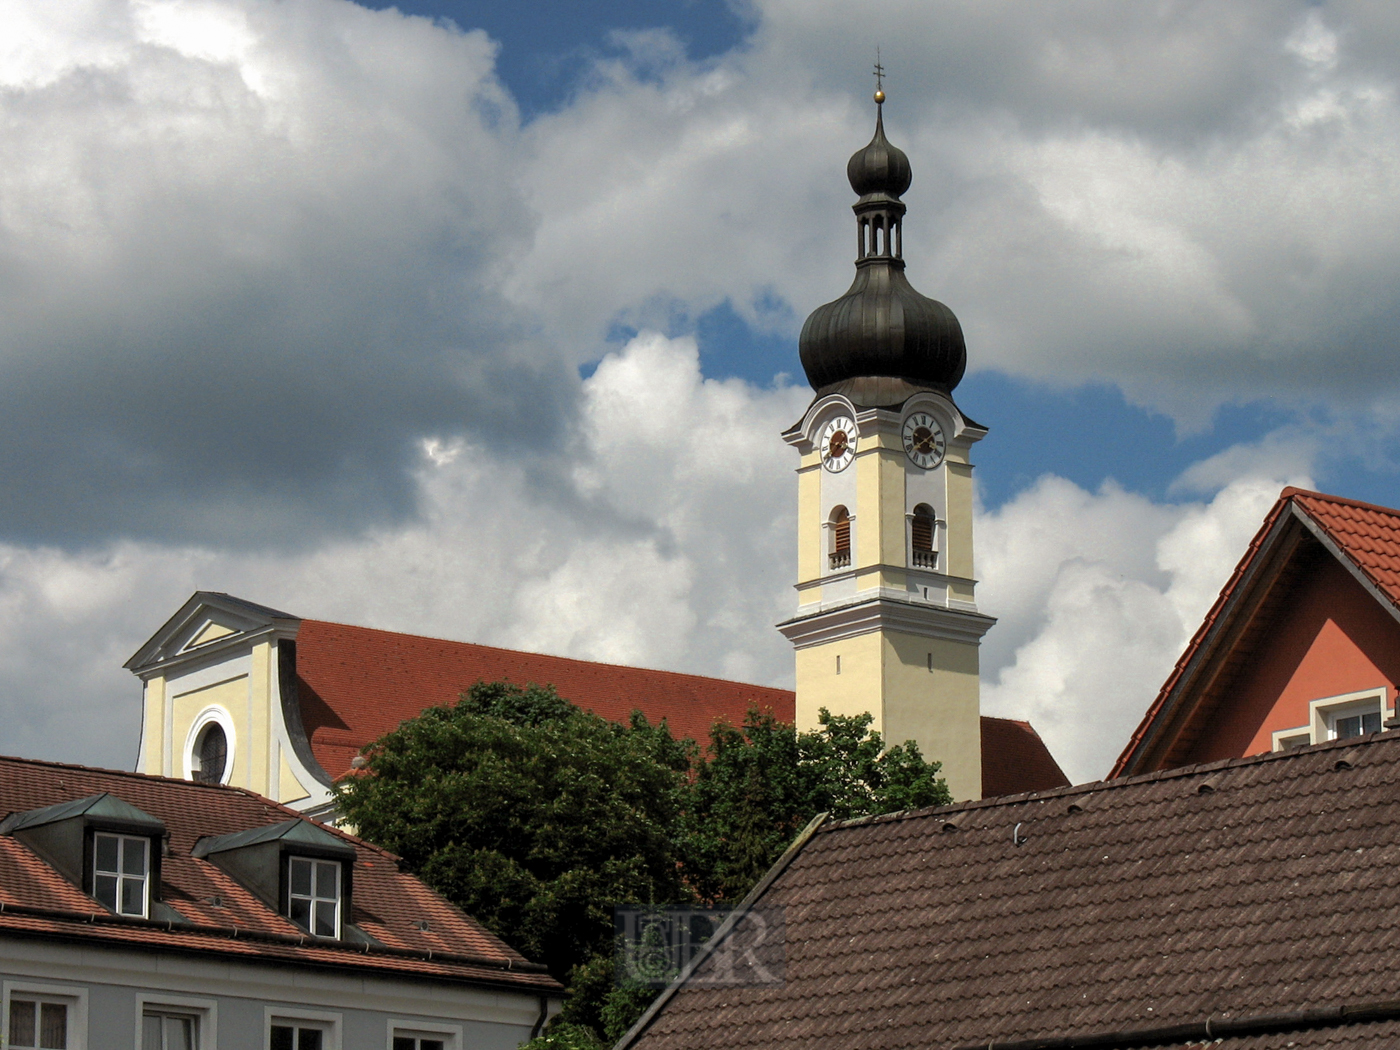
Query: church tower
[{"x": 887, "y": 622}]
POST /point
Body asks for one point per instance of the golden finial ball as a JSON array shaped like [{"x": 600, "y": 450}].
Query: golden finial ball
[{"x": 879, "y": 97}]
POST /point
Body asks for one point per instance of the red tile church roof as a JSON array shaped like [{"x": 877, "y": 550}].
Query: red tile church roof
[{"x": 356, "y": 684}]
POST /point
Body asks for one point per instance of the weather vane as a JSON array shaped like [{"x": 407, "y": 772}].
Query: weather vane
[{"x": 879, "y": 79}]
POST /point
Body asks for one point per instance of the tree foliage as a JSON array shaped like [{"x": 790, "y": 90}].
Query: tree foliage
[{"x": 538, "y": 819}]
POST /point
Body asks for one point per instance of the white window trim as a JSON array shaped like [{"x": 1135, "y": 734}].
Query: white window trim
[
  {"x": 217, "y": 714},
  {"x": 292, "y": 858},
  {"x": 146, "y": 880},
  {"x": 75, "y": 995},
  {"x": 451, "y": 1033},
  {"x": 295, "y": 1015},
  {"x": 1321, "y": 712},
  {"x": 206, "y": 1010}
]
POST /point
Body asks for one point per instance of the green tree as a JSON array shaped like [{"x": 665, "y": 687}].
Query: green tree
[
  {"x": 761, "y": 783},
  {"x": 533, "y": 816}
]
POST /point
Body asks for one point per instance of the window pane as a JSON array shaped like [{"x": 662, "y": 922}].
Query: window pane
[
  {"x": 1348, "y": 727},
  {"x": 133, "y": 896},
  {"x": 282, "y": 1037},
  {"x": 430, "y": 1044},
  {"x": 301, "y": 876},
  {"x": 150, "y": 1032},
  {"x": 325, "y": 918},
  {"x": 309, "y": 1039},
  {"x": 21, "y": 1023},
  {"x": 179, "y": 1033},
  {"x": 106, "y": 846},
  {"x": 403, "y": 1042},
  {"x": 104, "y": 888},
  {"x": 1371, "y": 723},
  {"x": 134, "y": 856},
  {"x": 328, "y": 880},
  {"x": 53, "y": 1026},
  {"x": 301, "y": 913}
]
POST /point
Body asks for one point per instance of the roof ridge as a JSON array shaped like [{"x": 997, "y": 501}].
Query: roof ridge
[
  {"x": 1096, "y": 786},
  {"x": 1292, "y": 491},
  {"x": 547, "y": 656}
]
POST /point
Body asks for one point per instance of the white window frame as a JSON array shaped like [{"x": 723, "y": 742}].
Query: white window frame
[
  {"x": 299, "y": 1018},
  {"x": 450, "y": 1034},
  {"x": 73, "y": 996},
  {"x": 293, "y": 858},
  {"x": 1322, "y": 713},
  {"x": 146, "y": 879},
  {"x": 206, "y": 1011},
  {"x": 216, "y": 714}
]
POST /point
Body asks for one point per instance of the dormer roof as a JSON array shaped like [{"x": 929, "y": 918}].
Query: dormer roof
[{"x": 1362, "y": 539}]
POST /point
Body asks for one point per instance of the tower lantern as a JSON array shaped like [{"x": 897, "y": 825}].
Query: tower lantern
[{"x": 887, "y": 622}]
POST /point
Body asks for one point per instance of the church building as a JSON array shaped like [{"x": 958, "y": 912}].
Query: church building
[{"x": 886, "y": 623}]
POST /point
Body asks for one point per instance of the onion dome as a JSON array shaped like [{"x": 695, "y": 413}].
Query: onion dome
[{"x": 882, "y": 341}]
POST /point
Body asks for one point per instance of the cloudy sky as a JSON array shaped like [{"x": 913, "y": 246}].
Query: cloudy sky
[{"x": 479, "y": 320}]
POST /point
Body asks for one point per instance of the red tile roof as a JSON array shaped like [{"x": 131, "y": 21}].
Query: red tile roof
[
  {"x": 1226, "y": 891},
  {"x": 357, "y": 684},
  {"x": 1365, "y": 535},
  {"x": 1015, "y": 759},
  {"x": 389, "y": 905}
]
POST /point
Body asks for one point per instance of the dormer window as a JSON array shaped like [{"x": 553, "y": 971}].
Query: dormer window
[
  {"x": 298, "y": 868},
  {"x": 313, "y": 895},
  {"x": 120, "y": 872}
]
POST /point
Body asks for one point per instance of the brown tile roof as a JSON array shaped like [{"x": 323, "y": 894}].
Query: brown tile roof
[
  {"x": 1252, "y": 886},
  {"x": 357, "y": 684},
  {"x": 1366, "y": 536},
  {"x": 389, "y": 905}
]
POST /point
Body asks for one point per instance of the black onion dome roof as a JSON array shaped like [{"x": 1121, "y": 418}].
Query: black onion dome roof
[
  {"x": 882, "y": 340},
  {"x": 883, "y": 327},
  {"x": 879, "y": 167}
]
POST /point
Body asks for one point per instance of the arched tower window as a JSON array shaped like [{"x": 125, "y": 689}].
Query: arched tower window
[
  {"x": 211, "y": 752},
  {"x": 840, "y": 538},
  {"x": 921, "y": 529}
]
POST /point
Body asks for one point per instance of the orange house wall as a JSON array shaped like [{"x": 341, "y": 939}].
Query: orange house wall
[{"x": 1334, "y": 638}]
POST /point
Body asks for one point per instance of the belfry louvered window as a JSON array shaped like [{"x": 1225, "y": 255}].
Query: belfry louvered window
[
  {"x": 840, "y": 538},
  {"x": 921, "y": 528}
]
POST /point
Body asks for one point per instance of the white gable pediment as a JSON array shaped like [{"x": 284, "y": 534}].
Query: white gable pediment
[{"x": 209, "y": 621}]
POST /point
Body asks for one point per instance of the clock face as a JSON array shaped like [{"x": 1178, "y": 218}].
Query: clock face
[
  {"x": 839, "y": 443},
  {"x": 923, "y": 440}
]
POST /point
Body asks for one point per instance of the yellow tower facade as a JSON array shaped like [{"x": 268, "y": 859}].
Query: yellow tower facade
[{"x": 887, "y": 621}]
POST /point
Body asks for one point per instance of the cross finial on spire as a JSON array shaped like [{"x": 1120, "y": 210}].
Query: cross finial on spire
[{"x": 879, "y": 79}]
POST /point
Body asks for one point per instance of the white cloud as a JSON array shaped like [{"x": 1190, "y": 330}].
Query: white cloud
[{"x": 1099, "y": 594}]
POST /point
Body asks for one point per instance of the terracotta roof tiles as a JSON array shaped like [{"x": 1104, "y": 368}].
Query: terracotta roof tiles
[{"x": 389, "y": 905}]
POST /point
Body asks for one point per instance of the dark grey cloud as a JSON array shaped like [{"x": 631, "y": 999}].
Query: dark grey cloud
[{"x": 245, "y": 268}]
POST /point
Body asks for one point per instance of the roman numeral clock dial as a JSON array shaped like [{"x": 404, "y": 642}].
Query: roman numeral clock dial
[
  {"x": 923, "y": 440},
  {"x": 839, "y": 443}
]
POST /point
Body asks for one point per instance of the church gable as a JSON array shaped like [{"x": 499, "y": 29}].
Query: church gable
[
  {"x": 208, "y": 617},
  {"x": 1303, "y": 644}
]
